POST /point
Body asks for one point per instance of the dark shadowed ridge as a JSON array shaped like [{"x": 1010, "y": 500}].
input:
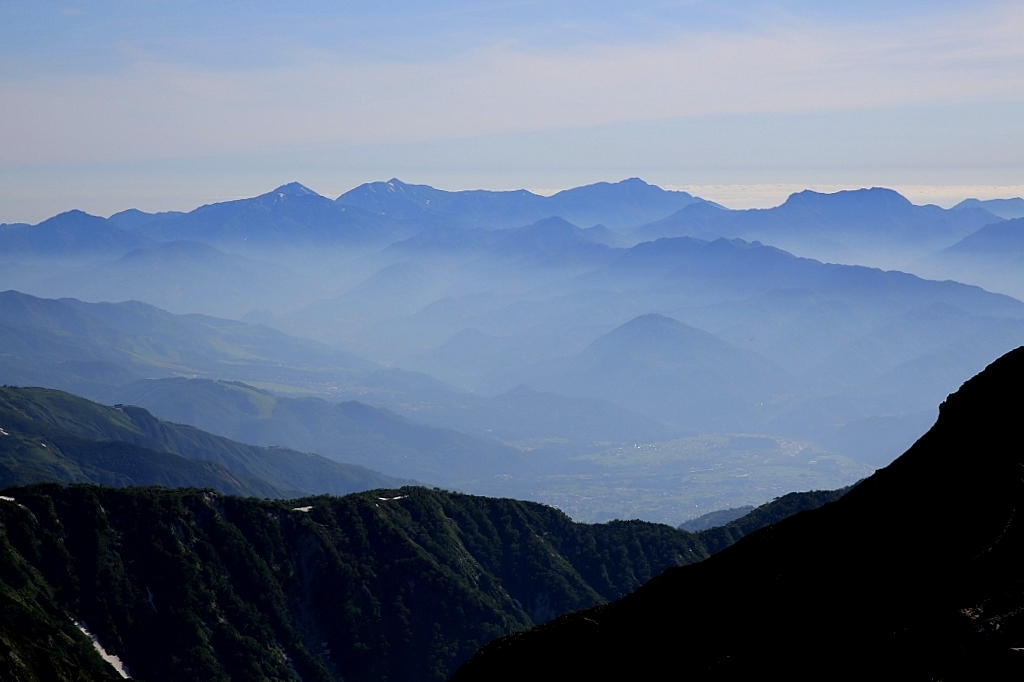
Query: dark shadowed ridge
[{"x": 914, "y": 574}]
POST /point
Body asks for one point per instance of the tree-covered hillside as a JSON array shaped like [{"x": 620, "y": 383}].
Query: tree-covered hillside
[{"x": 386, "y": 585}]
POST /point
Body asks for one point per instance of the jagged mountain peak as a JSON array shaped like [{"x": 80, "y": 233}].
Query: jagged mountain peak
[{"x": 293, "y": 189}]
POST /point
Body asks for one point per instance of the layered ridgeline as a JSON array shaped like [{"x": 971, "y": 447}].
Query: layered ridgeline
[
  {"x": 348, "y": 432},
  {"x": 341, "y": 430},
  {"x": 859, "y": 224},
  {"x": 849, "y": 359},
  {"x": 48, "y": 435},
  {"x": 914, "y": 574},
  {"x": 189, "y": 585},
  {"x": 373, "y": 214},
  {"x": 667, "y": 482},
  {"x": 991, "y": 257},
  {"x": 79, "y": 346}
]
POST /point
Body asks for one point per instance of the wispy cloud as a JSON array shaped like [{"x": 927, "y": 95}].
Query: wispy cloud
[{"x": 168, "y": 109}]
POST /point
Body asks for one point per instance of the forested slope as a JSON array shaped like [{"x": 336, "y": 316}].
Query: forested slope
[{"x": 386, "y": 585}]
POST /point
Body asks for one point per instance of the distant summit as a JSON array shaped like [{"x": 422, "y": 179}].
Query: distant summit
[
  {"x": 294, "y": 189},
  {"x": 876, "y": 200}
]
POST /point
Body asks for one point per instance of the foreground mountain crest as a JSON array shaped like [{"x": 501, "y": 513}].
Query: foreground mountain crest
[
  {"x": 915, "y": 574},
  {"x": 403, "y": 584}
]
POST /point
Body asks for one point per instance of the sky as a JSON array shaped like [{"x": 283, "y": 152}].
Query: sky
[{"x": 106, "y": 105}]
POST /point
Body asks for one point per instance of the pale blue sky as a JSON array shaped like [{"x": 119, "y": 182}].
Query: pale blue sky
[{"x": 168, "y": 105}]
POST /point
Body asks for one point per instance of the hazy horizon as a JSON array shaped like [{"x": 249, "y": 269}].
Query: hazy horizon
[{"x": 167, "y": 107}]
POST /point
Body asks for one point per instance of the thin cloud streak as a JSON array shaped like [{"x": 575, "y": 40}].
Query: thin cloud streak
[{"x": 173, "y": 110}]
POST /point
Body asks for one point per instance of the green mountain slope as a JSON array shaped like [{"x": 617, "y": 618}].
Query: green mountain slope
[
  {"x": 55, "y": 436},
  {"x": 405, "y": 584}
]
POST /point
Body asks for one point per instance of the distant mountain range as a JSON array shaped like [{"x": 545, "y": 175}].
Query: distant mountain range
[
  {"x": 815, "y": 322},
  {"x": 844, "y": 226},
  {"x": 837, "y": 344},
  {"x": 374, "y": 214},
  {"x": 863, "y": 587},
  {"x": 418, "y": 279},
  {"x": 615, "y": 205}
]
